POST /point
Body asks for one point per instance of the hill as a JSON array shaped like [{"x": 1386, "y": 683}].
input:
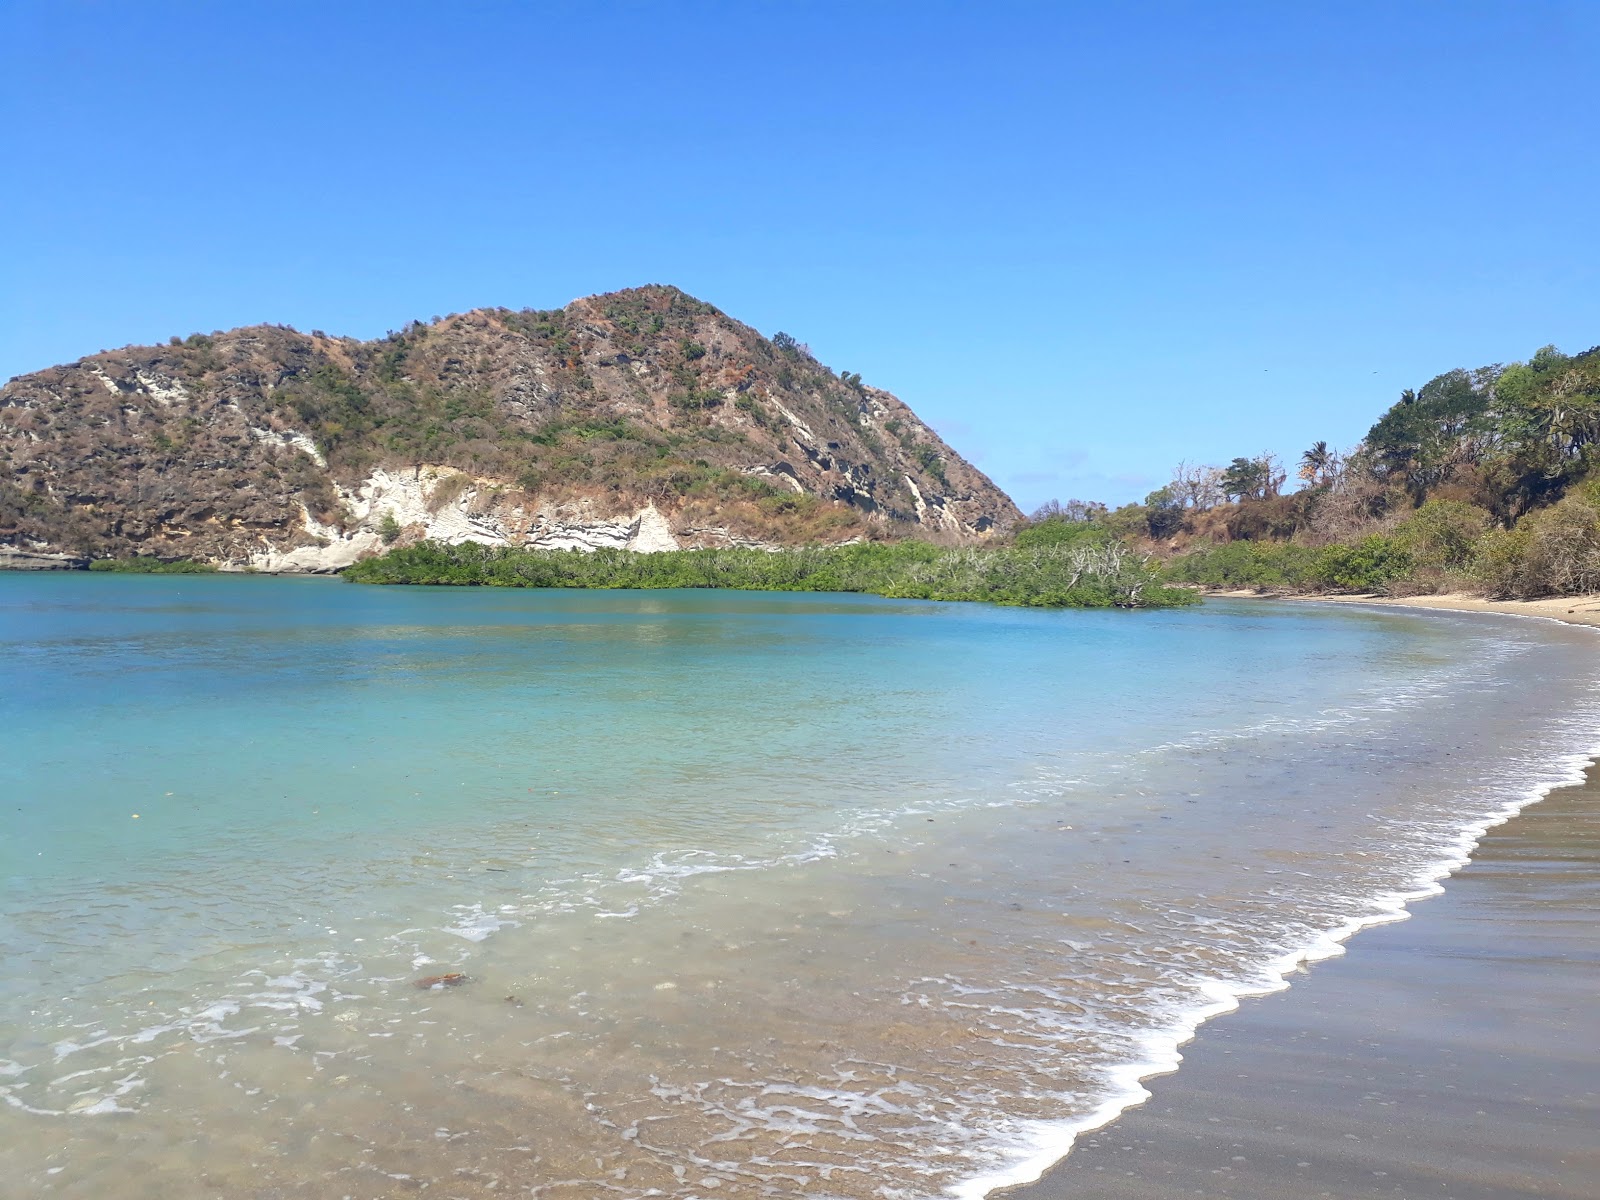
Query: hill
[
  {"x": 1482, "y": 480},
  {"x": 644, "y": 419}
]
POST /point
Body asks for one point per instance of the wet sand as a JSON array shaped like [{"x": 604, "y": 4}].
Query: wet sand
[{"x": 1455, "y": 1054}]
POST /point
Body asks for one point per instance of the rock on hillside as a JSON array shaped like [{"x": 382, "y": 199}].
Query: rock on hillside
[{"x": 642, "y": 418}]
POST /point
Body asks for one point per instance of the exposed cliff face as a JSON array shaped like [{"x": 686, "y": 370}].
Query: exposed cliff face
[{"x": 642, "y": 418}]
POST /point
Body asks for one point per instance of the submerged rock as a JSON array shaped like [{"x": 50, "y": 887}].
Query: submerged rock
[{"x": 428, "y": 982}]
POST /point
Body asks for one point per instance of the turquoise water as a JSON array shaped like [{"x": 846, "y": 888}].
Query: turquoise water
[{"x": 755, "y": 894}]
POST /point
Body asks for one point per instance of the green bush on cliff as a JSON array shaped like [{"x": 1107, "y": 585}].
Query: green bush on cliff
[
  {"x": 146, "y": 564},
  {"x": 1093, "y": 576}
]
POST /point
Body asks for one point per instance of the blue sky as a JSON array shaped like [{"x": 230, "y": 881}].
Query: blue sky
[{"x": 1083, "y": 241}]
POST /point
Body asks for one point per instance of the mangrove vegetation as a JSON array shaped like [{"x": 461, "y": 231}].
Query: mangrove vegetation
[{"x": 1089, "y": 569}]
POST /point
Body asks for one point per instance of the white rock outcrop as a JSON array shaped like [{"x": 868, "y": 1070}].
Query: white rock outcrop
[
  {"x": 445, "y": 505},
  {"x": 291, "y": 439},
  {"x": 935, "y": 513}
]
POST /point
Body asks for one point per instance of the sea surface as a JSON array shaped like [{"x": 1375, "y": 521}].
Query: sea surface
[{"x": 754, "y": 895}]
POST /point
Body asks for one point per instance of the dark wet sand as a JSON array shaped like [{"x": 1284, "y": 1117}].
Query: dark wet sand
[{"x": 1455, "y": 1054}]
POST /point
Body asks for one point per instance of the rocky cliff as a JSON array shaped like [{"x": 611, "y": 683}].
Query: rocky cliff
[{"x": 643, "y": 418}]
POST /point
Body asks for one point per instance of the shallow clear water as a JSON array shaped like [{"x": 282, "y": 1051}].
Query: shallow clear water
[{"x": 756, "y": 895}]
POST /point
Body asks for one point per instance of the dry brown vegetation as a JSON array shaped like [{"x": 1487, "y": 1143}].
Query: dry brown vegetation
[
  {"x": 1484, "y": 480},
  {"x": 208, "y": 446}
]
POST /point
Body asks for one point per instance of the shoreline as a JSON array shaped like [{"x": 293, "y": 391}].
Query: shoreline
[
  {"x": 1055, "y": 1148},
  {"x": 1144, "y": 1084},
  {"x": 1475, "y": 1010},
  {"x": 1571, "y": 610}
]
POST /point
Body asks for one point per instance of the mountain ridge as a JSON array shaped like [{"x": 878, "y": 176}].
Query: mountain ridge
[{"x": 643, "y": 418}]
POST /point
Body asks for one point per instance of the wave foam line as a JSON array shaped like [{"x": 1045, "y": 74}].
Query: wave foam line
[{"x": 1043, "y": 1144}]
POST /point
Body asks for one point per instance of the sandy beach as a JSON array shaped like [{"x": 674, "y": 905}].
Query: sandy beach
[
  {"x": 1453, "y": 1054},
  {"x": 1574, "y": 610}
]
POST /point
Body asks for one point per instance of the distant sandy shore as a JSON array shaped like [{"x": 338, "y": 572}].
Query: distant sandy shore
[{"x": 1575, "y": 610}]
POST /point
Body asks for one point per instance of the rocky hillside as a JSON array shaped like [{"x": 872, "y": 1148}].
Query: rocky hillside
[{"x": 643, "y": 418}]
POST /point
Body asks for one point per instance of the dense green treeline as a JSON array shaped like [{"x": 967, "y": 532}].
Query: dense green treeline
[
  {"x": 1481, "y": 480},
  {"x": 1505, "y": 438},
  {"x": 146, "y": 564},
  {"x": 1084, "y": 572},
  {"x": 1444, "y": 546}
]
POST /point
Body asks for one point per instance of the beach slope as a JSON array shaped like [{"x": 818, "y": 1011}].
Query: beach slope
[{"x": 1455, "y": 1054}]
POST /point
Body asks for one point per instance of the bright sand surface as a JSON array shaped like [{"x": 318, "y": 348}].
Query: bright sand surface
[
  {"x": 1455, "y": 1054},
  {"x": 1574, "y": 610}
]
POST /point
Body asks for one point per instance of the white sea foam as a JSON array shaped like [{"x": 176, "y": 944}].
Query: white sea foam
[
  {"x": 1026, "y": 1150},
  {"x": 474, "y": 924}
]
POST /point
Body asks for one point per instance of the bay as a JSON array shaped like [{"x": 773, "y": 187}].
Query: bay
[{"x": 753, "y": 894}]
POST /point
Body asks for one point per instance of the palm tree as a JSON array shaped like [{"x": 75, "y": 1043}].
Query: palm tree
[{"x": 1317, "y": 463}]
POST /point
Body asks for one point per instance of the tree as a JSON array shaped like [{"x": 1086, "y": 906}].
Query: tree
[
  {"x": 1273, "y": 473},
  {"x": 1550, "y": 406},
  {"x": 1251, "y": 478},
  {"x": 1428, "y": 433},
  {"x": 1245, "y": 479},
  {"x": 790, "y": 347},
  {"x": 1072, "y": 510},
  {"x": 1164, "y": 513},
  {"x": 1197, "y": 487},
  {"x": 1318, "y": 464}
]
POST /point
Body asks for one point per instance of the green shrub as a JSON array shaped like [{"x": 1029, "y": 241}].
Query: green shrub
[
  {"x": 931, "y": 461},
  {"x": 1443, "y": 533},
  {"x": 694, "y": 399},
  {"x": 1060, "y": 531},
  {"x": 1551, "y": 552},
  {"x": 1260, "y": 565},
  {"x": 1087, "y": 574},
  {"x": 1370, "y": 565},
  {"x": 149, "y": 564}
]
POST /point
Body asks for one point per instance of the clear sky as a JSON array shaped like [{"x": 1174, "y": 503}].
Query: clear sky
[{"x": 1083, "y": 240}]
